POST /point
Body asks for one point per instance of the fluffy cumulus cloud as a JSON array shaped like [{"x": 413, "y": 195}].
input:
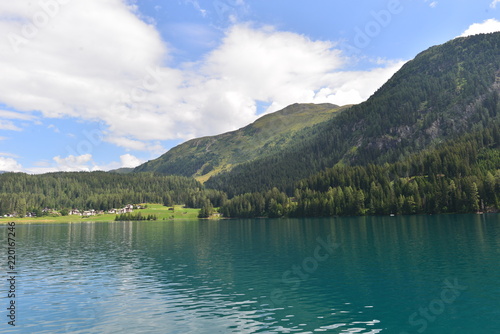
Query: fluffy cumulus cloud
[
  {"x": 128, "y": 160},
  {"x": 75, "y": 58},
  {"x": 488, "y": 26},
  {"x": 9, "y": 165},
  {"x": 494, "y": 3},
  {"x": 97, "y": 60},
  {"x": 74, "y": 163}
]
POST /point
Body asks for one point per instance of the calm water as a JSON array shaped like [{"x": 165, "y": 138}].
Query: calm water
[{"x": 425, "y": 274}]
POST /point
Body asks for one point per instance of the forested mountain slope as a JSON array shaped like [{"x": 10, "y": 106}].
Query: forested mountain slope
[
  {"x": 207, "y": 156},
  {"x": 445, "y": 92},
  {"x": 461, "y": 175}
]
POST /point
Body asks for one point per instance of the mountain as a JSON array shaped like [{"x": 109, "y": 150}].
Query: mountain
[
  {"x": 445, "y": 92},
  {"x": 123, "y": 170},
  {"x": 461, "y": 175},
  {"x": 208, "y": 156}
]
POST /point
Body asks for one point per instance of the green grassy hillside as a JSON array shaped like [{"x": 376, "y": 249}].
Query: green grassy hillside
[{"x": 205, "y": 157}]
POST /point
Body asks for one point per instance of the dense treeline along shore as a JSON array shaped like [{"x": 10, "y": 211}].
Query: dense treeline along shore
[{"x": 427, "y": 142}]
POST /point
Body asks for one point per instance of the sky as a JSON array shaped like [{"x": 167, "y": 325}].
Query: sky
[{"x": 104, "y": 84}]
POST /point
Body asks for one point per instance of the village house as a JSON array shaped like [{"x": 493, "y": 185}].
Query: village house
[
  {"x": 127, "y": 209},
  {"x": 89, "y": 213},
  {"x": 74, "y": 212}
]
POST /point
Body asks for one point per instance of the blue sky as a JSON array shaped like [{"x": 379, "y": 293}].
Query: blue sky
[{"x": 103, "y": 84}]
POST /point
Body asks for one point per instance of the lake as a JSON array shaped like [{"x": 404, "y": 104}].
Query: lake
[{"x": 415, "y": 274}]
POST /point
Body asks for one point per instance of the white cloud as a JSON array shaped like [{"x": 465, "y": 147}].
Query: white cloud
[
  {"x": 79, "y": 62},
  {"x": 42, "y": 163},
  {"x": 356, "y": 85},
  {"x": 128, "y": 160},
  {"x": 16, "y": 115},
  {"x": 267, "y": 65},
  {"x": 432, "y": 4},
  {"x": 136, "y": 145},
  {"x": 488, "y": 26},
  {"x": 9, "y": 165},
  {"x": 494, "y": 3},
  {"x": 75, "y": 163},
  {"x": 7, "y": 154},
  {"x": 79, "y": 163},
  {"x": 54, "y": 128},
  {"x": 96, "y": 60},
  {"x": 8, "y": 125}
]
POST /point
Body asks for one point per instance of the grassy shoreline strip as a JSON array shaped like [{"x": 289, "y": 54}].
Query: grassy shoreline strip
[{"x": 178, "y": 212}]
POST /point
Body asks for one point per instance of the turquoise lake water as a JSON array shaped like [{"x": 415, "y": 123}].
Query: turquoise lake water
[{"x": 417, "y": 274}]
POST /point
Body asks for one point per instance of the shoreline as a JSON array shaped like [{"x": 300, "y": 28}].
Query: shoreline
[
  {"x": 53, "y": 221},
  {"x": 110, "y": 218}
]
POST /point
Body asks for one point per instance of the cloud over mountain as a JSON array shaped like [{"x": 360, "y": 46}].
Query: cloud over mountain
[{"x": 97, "y": 60}]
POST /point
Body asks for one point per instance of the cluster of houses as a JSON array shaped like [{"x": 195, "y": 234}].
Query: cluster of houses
[
  {"x": 29, "y": 214},
  {"x": 127, "y": 209},
  {"x": 75, "y": 212}
]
